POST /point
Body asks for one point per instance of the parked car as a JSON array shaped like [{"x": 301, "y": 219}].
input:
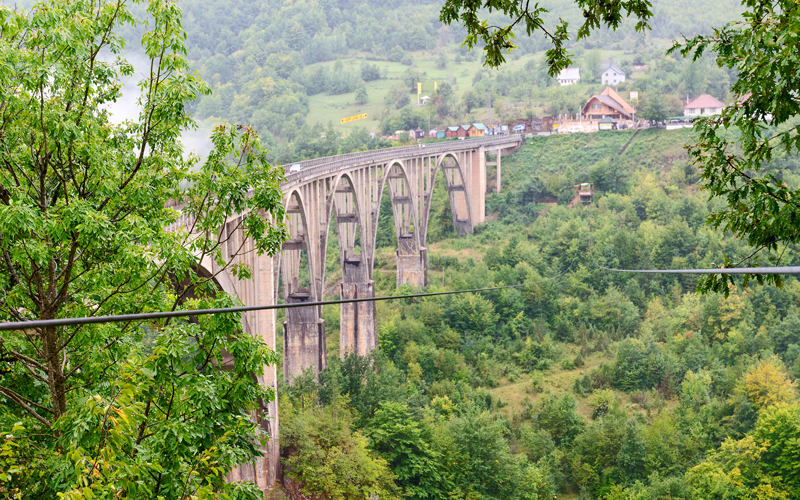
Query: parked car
[{"x": 575, "y": 129}]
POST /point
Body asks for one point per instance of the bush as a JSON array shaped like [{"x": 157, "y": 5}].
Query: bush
[{"x": 537, "y": 383}]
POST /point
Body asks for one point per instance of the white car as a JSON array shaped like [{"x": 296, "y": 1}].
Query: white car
[
  {"x": 573, "y": 130},
  {"x": 295, "y": 168}
]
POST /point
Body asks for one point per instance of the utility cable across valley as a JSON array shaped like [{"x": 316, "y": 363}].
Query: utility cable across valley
[{"x": 33, "y": 324}]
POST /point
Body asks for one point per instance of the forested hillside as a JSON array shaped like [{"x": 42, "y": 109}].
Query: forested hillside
[
  {"x": 591, "y": 385},
  {"x": 292, "y": 68}
]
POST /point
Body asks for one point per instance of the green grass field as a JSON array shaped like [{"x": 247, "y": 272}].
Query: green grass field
[{"x": 332, "y": 108}]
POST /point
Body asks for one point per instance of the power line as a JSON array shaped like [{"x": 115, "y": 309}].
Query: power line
[
  {"x": 24, "y": 325},
  {"x": 730, "y": 270},
  {"x": 27, "y": 325},
  {"x": 723, "y": 270}
]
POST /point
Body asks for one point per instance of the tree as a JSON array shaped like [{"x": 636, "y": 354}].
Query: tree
[
  {"x": 296, "y": 36},
  {"x": 370, "y": 72},
  {"x": 654, "y": 107},
  {"x": 480, "y": 460},
  {"x": 762, "y": 465},
  {"x": 592, "y": 62},
  {"x": 404, "y": 442},
  {"x": 497, "y": 39},
  {"x": 766, "y": 384},
  {"x": 398, "y": 96},
  {"x": 411, "y": 78},
  {"x": 361, "y": 94},
  {"x": 559, "y": 417},
  {"x": 444, "y": 94},
  {"x": 695, "y": 78},
  {"x": 328, "y": 459},
  {"x": 633, "y": 452},
  {"x": 136, "y": 409},
  {"x": 470, "y": 100},
  {"x": 762, "y": 208}
]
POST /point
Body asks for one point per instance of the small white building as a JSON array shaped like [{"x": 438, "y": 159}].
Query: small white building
[
  {"x": 612, "y": 76},
  {"x": 703, "y": 105},
  {"x": 569, "y": 76}
]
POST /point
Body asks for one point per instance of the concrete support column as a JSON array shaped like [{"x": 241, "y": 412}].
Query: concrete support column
[
  {"x": 260, "y": 289},
  {"x": 499, "y": 173},
  {"x": 303, "y": 339},
  {"x": 478, "y": 187},
  {"x": 265, "y": 324},
  {"x": 411, "y": 263},
  {"x": 358, "y": 320}
]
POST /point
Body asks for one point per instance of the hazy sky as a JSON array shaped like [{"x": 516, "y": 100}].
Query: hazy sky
[{"x": 127, "y": 108}]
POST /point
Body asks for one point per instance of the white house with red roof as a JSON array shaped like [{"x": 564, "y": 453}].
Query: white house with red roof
[{"x": 703, "y": 105}]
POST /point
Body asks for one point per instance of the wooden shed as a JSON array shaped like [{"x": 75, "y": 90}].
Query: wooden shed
[{"x": 452, "y": 132}]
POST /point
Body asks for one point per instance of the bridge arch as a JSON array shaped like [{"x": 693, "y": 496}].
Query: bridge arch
[
  {"x": 299, "y": 235},
  {"x": 404, "y": 198},
  {"x": 456, "y": 185},
  {"x": 345, "y": 207},
  {"x": 304, "y": 328}
]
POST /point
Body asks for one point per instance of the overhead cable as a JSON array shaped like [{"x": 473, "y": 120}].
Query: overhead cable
[
  {"x": 29, "y": 325},
  {"x": 26, "y": 325},
  {"x": 718, "y": 270},
  {"x": 728, "y": 270}
]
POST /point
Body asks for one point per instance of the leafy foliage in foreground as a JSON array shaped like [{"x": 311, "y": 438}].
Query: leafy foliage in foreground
[
  {"x": 161, "y": 409},
  {"x": 762, "y": 207}
]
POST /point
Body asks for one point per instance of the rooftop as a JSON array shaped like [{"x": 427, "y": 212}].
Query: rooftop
[{"x": 703, "y": 101}]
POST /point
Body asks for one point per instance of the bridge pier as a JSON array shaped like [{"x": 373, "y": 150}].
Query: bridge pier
[
  {"x": 477, "y": 188},
  {"x": 497, "y": 163},
  {"x": 303, "y": 338},
  {"x": 357, "y": 324},
  {"x": 358, "y": 321},
  {"x": 412, "y": 264}
]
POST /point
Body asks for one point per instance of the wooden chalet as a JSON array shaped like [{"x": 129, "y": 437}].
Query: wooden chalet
[{"x": 607, "y": 104}]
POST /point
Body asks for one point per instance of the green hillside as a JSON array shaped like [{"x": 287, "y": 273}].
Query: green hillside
[
  {"x": 293, "y": 68},
  {"x": 567, "y": 377}
]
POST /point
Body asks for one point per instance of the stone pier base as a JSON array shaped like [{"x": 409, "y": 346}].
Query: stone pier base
[
  {"x": 358, "y": 324},
  {"x": 303, "y": 339},
  {"x": 412, "y": 268}
]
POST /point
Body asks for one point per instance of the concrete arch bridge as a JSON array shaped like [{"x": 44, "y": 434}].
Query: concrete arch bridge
[{"x": 346, "y": 191}]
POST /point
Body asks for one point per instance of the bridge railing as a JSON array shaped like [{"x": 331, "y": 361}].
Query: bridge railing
[{"x": 318, "y": 166}]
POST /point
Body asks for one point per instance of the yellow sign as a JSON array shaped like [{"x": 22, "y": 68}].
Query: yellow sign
[
  {"x": 353, "y": 118},
  {"x": 435, "y": 86},
  {"x": 419, "y": 88}
]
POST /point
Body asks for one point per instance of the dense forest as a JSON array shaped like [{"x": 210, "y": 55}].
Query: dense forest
[{"x": 591, "y": 385}]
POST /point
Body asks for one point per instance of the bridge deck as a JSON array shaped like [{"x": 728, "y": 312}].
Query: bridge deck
[{"x": 329, "y": 164}]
